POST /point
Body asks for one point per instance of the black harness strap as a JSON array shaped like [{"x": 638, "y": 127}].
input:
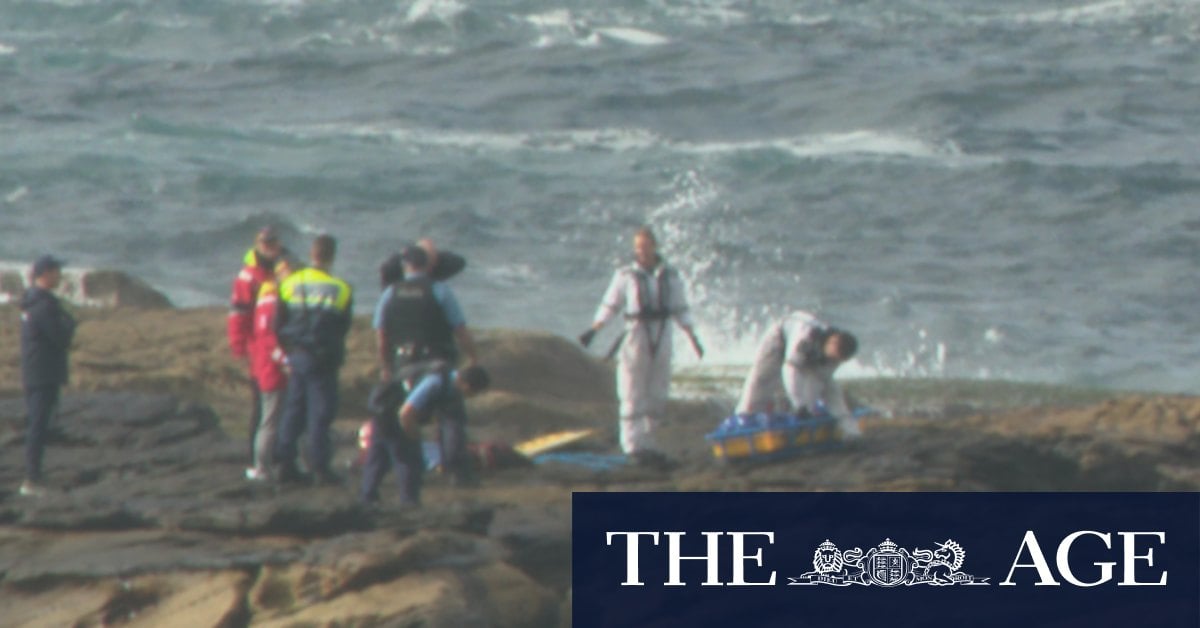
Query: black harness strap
[{"x": 658, "y": 313}]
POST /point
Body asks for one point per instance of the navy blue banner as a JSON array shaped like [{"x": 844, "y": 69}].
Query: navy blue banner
[{"x": 886, "y": 560}]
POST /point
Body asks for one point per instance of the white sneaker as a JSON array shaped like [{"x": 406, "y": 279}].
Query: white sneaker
[
  {"x": 31, "y": 489},
  {"x": 255, "y": 474}
]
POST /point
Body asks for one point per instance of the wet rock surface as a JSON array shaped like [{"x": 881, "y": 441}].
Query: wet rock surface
[
  {"x": 150, "y": 521},
  {"x": 144, "y": 488}
]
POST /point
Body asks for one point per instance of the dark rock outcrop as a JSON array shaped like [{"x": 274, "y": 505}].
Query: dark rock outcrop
[
  {"x": 86, "y": 287},
  {"x": 147, "y": 489}
]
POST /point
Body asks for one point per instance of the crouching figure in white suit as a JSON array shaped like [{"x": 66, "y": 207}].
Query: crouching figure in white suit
[{"x": 793, "y": 370}]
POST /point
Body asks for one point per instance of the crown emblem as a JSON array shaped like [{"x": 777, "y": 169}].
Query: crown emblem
[{"x": 888, "y": 565}]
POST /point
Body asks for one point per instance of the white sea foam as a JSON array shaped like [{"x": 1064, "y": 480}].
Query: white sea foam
[
  {"x": 16, "y": 195},
  {"x": 75, "y": 3},
  {"x": 634, "y": 36},
  {"x": 1081, "y": 13},
  {"x": 291, "y": 5},
  {"x": 412, "y": 137},
  {"x": 730, "y": 359},
  {"x": 1105, "y": 11},
  {"x": 693, "y": 193},
  {"x": 516, "y": 275},
  {"x": 558, "y": 18},
  {"x": 438, "y": 10},
  {"x": 310, "y": 229},
  {"x": 320, "y": 39},
  {"x": 702, "y": 12},
  {"x": 613, "y": 140},
  {"x": 433, "y": 51},
  {"x": 561, "y": 27},
  {"x": 858, "y": 143},
  {"x": 6, "y": 49},
  {"x": 731, "y": 345},
  {"x": 809, "y": 20}
]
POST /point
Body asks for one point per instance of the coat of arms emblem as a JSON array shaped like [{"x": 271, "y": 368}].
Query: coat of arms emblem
[{"x": 888, "y": 565}]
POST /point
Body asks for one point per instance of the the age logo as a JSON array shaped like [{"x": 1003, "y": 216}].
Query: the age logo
[{"x": 888, "y": 565}]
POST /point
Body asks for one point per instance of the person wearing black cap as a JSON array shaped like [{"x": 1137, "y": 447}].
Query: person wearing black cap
[
  {"x": 418, "y": 318},
  {"x": 46, "y": 333},
  {"x": 398, "y": 410},
  {"x": 442, "y": 265},
  {"x": 257, "y": 268}
]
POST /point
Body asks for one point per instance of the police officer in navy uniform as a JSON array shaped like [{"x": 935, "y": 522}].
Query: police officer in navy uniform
[
  {"x": 400, "y": 406},
  {"x": 314, "y": 316},
  {"x": 46, "y": 333},
  {"x": 418, "y": 319}
]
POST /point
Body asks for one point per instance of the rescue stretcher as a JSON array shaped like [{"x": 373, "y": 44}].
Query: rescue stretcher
[{"x": 767, "y": 437}]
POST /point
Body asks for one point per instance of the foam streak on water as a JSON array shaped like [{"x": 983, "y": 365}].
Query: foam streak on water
[{"x": 980, "y": 190}]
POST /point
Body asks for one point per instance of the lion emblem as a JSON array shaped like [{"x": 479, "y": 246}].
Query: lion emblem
[{"x": 827, "y": 559}]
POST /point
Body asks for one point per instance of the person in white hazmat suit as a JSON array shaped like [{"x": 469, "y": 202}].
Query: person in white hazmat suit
[
  {"x": 649, "y": 293},
  {"x": 793, "y": 370}
]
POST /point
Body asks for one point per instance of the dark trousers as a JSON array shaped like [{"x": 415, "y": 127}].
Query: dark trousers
[
  {"x": 391, "y": 448},
  {"x": 309, "y": 405},
  {"x": 255, "y": 412},
  {"x": 452, "y": 439},
  {"x": 40, "y": 403}
]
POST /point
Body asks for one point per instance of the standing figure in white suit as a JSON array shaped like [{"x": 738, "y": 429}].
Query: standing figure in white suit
[
  {"x": 793, "y": 370},
  {"x": 649, "y": 293}
]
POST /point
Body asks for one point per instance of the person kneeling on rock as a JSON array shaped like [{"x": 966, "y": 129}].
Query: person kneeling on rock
[
  {"x": 399, "y": 408},
  {"x": 793, "y": 370}
]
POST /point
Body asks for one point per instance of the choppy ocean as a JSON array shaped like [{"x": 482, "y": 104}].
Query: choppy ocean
[{"x": 1003, "y": 189}]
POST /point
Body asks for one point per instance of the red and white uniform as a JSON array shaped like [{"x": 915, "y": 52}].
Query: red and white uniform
[
  {"x": 247, "y": 285},
  {"x": 266, "y": 356}
]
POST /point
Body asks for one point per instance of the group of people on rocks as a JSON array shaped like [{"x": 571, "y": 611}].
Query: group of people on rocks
[{"x": 288, "y": 323}]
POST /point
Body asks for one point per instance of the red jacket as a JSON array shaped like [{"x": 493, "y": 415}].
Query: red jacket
[
  {"x": 240, "y": 325},
  {"x": 266, "y": 356}
]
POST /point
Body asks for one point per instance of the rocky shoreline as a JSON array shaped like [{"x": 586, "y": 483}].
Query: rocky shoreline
[{"x": 152, "y": 524}]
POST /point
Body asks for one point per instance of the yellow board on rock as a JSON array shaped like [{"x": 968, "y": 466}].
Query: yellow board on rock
[{"x": 550, "y": 442}]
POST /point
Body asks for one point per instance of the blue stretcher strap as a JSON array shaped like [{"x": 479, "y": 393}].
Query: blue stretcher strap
[{"x": 594, "y": 462}]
